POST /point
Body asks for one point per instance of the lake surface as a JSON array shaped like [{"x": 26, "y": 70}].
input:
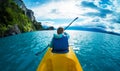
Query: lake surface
[{"x": 95, "y": 51}]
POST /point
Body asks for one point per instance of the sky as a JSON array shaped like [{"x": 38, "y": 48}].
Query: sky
[{"x": 92, "y": 13}]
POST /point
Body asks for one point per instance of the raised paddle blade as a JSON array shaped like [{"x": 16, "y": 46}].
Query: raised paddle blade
[{"x": 76, "y": 18}]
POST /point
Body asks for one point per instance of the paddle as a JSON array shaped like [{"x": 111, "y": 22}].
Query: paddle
[
  {"x": 48, "y": 45},
  {"x": 42, "y": 50},
  {"x": 71, "y": 23}
]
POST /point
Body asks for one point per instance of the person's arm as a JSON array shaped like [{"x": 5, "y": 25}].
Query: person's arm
[{"x": 66, "y": 34}]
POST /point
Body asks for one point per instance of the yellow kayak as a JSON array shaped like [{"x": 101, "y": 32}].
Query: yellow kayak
[{"x": 59, "y": 62}]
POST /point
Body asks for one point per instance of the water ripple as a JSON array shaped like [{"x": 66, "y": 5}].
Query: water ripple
[{"x": 95, "y": 51}]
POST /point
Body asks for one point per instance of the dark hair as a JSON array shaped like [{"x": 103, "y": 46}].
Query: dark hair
[{"x": 60, "y": 30}]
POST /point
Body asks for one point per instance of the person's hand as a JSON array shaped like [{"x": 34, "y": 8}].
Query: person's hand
[{"x": 65, "y": 33}]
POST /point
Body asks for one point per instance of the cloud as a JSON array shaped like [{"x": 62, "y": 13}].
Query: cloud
[
  {"x": 101, "y": 12},
  {"x": 94, "y": 13},
  {"x": 89, "y": 4},
  {"x": 60, "y": 10},
  {"x": 113, "y": 18},
  {"x": 105, "y": 2},
  {"x": 48, "y": 23}
]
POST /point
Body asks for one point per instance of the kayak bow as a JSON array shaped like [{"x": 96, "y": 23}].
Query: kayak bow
[{"x": 59, "y": 62}]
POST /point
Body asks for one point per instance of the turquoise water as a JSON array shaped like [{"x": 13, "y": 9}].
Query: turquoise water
[{"x": 95, "y": 51}]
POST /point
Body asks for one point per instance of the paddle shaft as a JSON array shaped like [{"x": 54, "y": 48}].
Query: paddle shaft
[
  {"x": 41, "y": 51},
  {"x": 48, "y": 45},
  {"x": 71, "y": 23}
]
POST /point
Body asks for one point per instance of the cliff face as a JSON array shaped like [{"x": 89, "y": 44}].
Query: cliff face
[
  {"x": 26, "y": 11},
  {"x": 21, "y": 5},
  {"x": 15, "y": 18},
  {"x": 30, "y": 14}
]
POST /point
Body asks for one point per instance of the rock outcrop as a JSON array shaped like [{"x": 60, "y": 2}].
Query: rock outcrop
[
  {"x": 26, "y": 11},
  {"x": 13, "y": 30},
  {"x": 30, "y": 14},
  {"x": 15, "y": 18}
]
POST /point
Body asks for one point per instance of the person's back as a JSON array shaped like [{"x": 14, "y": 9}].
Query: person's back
[{"x": 59, "y": 42}]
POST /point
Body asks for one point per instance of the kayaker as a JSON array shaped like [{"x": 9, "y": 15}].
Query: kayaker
[{"x": 59, "y": 43}]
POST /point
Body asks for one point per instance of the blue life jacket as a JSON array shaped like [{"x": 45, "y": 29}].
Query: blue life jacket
[{"x": 60, "y": 45}]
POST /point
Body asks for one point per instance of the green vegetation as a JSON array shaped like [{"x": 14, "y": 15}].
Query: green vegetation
[
  {"x": 10, "y": 15},
  {"x": 3, "y": 28},
  {"x": 38, "y": 25}
]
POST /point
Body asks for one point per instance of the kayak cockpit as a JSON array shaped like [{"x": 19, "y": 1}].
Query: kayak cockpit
[{"x": 59, "y": 62}]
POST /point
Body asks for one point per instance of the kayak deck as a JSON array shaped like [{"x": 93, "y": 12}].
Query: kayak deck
[{"x": 59, "y": 62}]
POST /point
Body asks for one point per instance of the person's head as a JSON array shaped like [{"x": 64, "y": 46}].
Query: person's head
[{"x": 60, "y": 30}]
